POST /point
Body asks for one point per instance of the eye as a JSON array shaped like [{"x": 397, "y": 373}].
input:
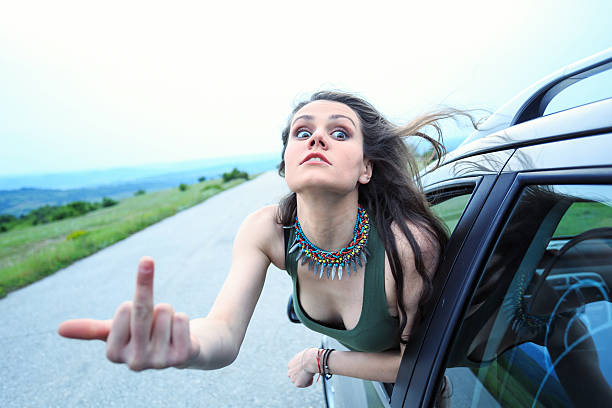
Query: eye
[
  {"x": 302, "y": 134},
  {"x": 340, "y": 135}
]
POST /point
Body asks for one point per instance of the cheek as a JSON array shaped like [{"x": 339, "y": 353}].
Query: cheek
[
  {"x": 353, "y": 159},
  {"x": 290, "y": 155},
  {"x": 291, "y": 158}
]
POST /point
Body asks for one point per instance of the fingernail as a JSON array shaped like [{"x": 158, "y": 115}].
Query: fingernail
[{"x": 145, "y": 267}]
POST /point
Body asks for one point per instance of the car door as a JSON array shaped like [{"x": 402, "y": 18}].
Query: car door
[
  {"x": 448, "y": 198},
  {"x": 456, "y": 192},
  {"x": 525, "y": 317}
]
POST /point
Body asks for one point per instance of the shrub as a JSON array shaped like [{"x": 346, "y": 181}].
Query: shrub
[
  {"x": 140, "y": 192},
  {"x": 201, "y": 179},
  {"x": 108, "y": 202},
  {"x": 235, "y": 174},
  {"x": 183, "y": 186},
  {"x": 6, "y": 218},
  {"x": 49, "y": 213},
  {"x": 79, "y": 207},
  {"x": 42, "y": 215},
  {"x": 7, "y": 222}
]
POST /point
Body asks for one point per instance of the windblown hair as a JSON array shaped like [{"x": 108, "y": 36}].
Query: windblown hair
[{"x": 394, "y": 194}]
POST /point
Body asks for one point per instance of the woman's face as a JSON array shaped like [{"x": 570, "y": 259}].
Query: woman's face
[{"x": 325, "y": 149}]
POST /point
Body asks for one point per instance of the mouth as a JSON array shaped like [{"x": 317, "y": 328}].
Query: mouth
[{"x": 315, "y": 158}]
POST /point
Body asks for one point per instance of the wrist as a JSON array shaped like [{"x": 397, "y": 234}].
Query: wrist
[{"x": 309, "y": 360}]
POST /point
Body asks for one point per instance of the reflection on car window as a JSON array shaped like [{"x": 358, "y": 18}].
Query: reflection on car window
[
  {"x": 583, "y": 216},
  {"x": 538, "y": 331},
  {"x": 592, "y": 89},
  {"x": 450, "y": 210}
]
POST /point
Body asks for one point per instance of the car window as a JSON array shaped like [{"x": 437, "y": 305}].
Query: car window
[
  {"x": 538, "y": 331},
  {"x": 449, "y": 205},
  {"x": 591, "y": 89}
]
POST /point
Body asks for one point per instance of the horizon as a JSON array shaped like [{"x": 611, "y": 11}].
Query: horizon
[
  {"x": 188, "y": 171},
  {"x": 168, "y": 164},
  {"x": 265, "y": 155}
]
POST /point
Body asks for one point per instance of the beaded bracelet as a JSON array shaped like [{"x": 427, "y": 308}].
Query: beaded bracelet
[{"x": 326, "y": 372}]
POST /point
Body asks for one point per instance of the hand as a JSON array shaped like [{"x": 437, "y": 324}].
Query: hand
[
  {"x": 300, "y": 368},
  {"x": 446, "y": 392},
  {"x": 139, "y": 335}
]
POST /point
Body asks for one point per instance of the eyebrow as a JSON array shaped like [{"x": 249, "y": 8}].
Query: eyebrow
[
  {"x": 342, "y": 116},
  {"x": 336, "y": 116}
]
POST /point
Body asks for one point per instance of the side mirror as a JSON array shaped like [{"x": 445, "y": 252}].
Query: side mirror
[{"x": 291, "y": 312}]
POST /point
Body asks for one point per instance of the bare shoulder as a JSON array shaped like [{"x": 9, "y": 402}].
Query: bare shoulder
[{"x": 261, "y": 230}]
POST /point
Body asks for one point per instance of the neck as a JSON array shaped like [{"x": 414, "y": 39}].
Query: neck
[{"x": 328, "y": 221}]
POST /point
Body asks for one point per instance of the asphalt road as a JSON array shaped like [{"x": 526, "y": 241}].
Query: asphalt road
[{"x": 192, "y": 249}]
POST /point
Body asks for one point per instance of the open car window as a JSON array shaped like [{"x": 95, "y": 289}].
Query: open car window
[
  {"x": 538, "y": 330},
  {"x": 449, "y": 203}
]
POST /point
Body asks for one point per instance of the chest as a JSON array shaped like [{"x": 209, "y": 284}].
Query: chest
[{"x": 338, "y": 303}]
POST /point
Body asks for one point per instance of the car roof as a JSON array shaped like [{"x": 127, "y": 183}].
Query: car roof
[
  {"x": 521, "y": 122},
  {"x": 531, "y": 102}
]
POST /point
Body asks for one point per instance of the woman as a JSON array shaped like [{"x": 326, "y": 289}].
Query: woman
[{"x": 351, "y": 177}]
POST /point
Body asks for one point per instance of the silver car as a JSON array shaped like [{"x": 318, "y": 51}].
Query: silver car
[{"x": 522, "y": 315}]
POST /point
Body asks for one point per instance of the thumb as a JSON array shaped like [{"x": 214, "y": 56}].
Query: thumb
[{"x": 85, "y": 329}]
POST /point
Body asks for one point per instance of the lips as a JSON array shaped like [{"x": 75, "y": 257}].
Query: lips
[{"x": 314, "y": 158}]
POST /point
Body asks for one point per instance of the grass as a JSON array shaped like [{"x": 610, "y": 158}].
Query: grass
[
  {"x": 583, "y": 216},
  {"x": 450, "y": 211},
  {"x": 580, "y": 217},
  {"x": 29, "y": 253}
]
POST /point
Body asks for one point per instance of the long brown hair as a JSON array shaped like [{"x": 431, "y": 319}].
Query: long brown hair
[{"x": 394, "y": 194}]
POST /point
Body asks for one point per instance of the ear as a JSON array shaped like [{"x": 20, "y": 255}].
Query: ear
[{"x": 366, "y": 172}]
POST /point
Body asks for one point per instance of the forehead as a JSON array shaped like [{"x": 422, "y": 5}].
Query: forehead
[{"x": 324, "y": 109}]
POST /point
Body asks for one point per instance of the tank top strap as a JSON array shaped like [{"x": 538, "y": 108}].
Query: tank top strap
[{"x": 375, "y": 299}]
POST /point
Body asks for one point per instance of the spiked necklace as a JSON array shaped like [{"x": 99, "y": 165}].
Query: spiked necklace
[{"x": 345, "y": 259}]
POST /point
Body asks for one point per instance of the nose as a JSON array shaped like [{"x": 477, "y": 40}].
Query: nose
[{"x": 317, "y": 140}]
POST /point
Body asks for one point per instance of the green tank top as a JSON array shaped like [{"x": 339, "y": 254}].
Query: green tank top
[{"x": 376, "y": 329}]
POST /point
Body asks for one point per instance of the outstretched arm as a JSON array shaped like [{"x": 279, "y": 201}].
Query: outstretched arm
[
  {"x": 224, "y": 328},
  {"x": 144, "y": 336},
  {"x": 381, "y": 367}
]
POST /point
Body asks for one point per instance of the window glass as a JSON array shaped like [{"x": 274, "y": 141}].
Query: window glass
[
  {"x": 538, "y": 331},
  {"x": 591, "y": 89},
  {"x": 450, "y": 209},
  {"x": 582, "y": 216}
]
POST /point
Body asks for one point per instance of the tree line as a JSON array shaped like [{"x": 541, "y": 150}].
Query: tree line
[{"x": 50, "y": 213}]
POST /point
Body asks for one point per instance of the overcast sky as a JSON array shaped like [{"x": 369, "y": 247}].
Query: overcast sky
[{"x": 87, "y": 85}]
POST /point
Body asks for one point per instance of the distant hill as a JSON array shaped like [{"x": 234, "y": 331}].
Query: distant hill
[
  {"x": 94, "y": 178},
  {"x": 115, "y": 183}
]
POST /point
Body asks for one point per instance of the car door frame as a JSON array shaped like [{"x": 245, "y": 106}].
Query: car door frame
[
  {"x": 466, "y": 269},
  {"x": 483, "y": 185}
]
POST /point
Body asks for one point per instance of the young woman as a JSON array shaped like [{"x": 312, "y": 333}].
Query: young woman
[{"x": 355, "y": 235}]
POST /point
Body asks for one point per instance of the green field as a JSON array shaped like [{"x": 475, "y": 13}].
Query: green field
[
  {"x": 29, "y": 253},
  {"x": 450, "y": 211},
  {"x": 583, "y": 216}
]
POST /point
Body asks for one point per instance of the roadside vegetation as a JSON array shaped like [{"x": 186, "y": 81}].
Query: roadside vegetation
[
  {"x": 235, "y": 174},
  {"x": 50, "y": 213},
  {"x": 30, "y": 251}
]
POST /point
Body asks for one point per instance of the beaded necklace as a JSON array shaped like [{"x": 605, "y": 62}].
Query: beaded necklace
[{"x": 327, "y": 262}]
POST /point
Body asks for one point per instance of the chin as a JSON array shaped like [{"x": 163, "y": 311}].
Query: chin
[{"x": 320, "y": 183}]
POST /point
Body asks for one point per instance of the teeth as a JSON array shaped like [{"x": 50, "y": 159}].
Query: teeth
[{"x": 315, "y": 159}]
